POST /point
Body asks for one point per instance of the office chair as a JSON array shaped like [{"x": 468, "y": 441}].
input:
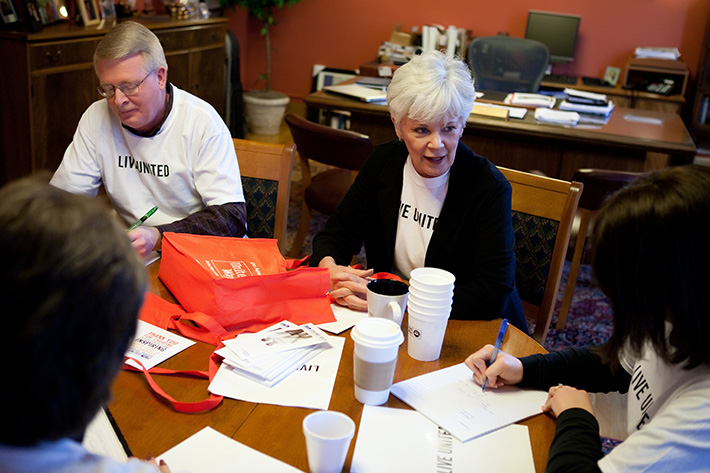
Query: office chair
[
  {"x": 345, "y": 150},
  {"x": 506, "y": 64},
  {"x": 266, "y": 179},
  {"x": 543, "y": 212},
  {"x": 598, "y": 185}
]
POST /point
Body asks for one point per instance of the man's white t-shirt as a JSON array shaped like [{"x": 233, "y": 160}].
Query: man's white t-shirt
[
  {"x": 419, "y": 209},
  {"x": 189, "y": 164}
]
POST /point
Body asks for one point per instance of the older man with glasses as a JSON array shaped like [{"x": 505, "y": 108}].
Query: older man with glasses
[{"x": 151, "y": 144}]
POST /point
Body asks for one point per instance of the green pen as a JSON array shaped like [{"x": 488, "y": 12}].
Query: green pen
[{"x": 143, "y": 218}]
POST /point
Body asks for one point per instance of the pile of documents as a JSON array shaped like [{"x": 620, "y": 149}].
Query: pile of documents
[
  {"x": 269, "y": 356},
  {"x": 529, "y": 100},
  {"x": 587, "y": 103},
  {"x": 657, "y": 53},
  {"x": 557, "y": 117}
]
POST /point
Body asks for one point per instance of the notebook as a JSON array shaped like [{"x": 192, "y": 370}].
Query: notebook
[{"x": 365, "y": 94}]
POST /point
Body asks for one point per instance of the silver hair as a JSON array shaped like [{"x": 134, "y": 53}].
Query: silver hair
[
  {"x": 127, "y": 39},
  {"x": 431, "y": 87}
]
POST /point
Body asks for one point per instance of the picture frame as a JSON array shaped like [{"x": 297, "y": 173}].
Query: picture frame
[
  {"x": 612, "y": 75},
  {"x": 33, "y": 17},
  {"x": 107, "y": 9},
  {"x": 90, "y": 13},
  {"x": 7, "y": 12}
]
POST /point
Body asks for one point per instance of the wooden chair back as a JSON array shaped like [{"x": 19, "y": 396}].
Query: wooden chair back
[
  {"x": 543, "y": 212},
  {"x": 266, "y": 178}
]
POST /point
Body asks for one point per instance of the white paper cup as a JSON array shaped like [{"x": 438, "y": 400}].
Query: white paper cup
[
  {"x": 431, "y": 279},
  {"x": 425, "y": 335},
  {"x": 436, "y": 294},
  {"x": 441, "y": 311},
  {"x": 377, "y": 343},
  {"x": 423, "y": 303},
  {"x": 382, "y": 293},
  {"x": 328, "y": 435}
]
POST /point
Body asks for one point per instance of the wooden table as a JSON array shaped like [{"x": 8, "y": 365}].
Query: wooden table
[
  {"x": 151, "y": 426},
  {"x": 632, "y": 140}
]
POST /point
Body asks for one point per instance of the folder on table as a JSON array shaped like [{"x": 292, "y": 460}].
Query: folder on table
[{"x": 360, "y": 92}]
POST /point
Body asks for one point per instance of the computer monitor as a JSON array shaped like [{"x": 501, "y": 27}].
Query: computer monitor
[{"x": 557, "y": 31}]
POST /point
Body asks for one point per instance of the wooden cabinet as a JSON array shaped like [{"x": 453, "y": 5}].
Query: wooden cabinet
[
  {"x": 48, "y": 82},
  {"x": 700, "y": 126}
]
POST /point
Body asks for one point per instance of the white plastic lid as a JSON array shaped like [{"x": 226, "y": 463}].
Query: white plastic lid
[{"x": 377, "y": 332}]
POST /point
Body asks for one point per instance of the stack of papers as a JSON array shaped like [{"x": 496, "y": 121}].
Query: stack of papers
[
  {"x": 587, "y": 102},
  {"x": 557, "y": 117},
  {"x": 657, "y": 53},
  {"x": 530, "y": 100},
  {"x": 269, "y": 356},
  {"x": 366, "y": 94}
]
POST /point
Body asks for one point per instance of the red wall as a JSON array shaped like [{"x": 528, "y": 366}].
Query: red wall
[{"x": 347, "y": 33}]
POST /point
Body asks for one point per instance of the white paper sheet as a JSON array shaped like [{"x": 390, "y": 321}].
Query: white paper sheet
[
  {"x": 102, "y": 439},
  {"x": 391, "y": 440},
  {"x": 152, "y": 345},
  {"x": 209, "y": 451},
  {"x": 311, "y": 386},
  {"x": 450, "y": 398},
  {"x": 345, "y": 318}
]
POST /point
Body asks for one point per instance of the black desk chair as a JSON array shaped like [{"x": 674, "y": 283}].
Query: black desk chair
[
  {"x": 344, "y": 151},
  {"x": 507, "y": 64}
]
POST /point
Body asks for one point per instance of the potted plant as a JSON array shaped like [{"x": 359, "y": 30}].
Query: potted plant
[{"x": 264, "y": 108}]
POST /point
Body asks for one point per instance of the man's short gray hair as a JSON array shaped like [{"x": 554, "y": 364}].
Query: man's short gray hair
[
  {"x": 127, "y": 39},
  {"x": 431, "y": 87}
]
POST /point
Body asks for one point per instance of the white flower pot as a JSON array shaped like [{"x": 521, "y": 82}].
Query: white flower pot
[{"x": 264, "y": 111}]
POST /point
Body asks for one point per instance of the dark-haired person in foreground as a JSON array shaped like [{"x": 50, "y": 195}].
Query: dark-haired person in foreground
[
  {"x": 652, "y": 259},
  {"x": 71, "y": 288}
]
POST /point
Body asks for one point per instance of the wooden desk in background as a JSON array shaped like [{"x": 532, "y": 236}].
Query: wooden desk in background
[
  {"x": 632, "y": 140},
  {"x": 151, "y": 426}
]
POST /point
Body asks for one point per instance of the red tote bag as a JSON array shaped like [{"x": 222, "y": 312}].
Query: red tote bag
[{"x": 242, "y": 284}]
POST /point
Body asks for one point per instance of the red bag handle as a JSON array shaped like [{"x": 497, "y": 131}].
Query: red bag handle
[{"x": 188, "y": 407}]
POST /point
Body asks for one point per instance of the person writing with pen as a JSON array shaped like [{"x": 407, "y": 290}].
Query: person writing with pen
[
  {"x": 652, "y": 259},
  {"x": 150, "y": 144}
]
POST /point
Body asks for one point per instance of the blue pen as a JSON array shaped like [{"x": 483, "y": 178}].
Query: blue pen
[{"x": 496, "y": 347}]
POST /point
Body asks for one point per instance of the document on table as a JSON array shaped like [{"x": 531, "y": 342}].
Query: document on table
[
  {"x": 450, "y": 398},
  {"x": 404, "y": 440},
  {"x": 103, "y": 437},
  {"x": 209, "y": 451},
  {"x": 344, "y": 319},
  {"x": 310, "y": 386},
  {"x": 152, "y": 345}
]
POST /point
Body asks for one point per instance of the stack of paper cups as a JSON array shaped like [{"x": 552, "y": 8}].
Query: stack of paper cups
[{"x": 431, "y": 292}]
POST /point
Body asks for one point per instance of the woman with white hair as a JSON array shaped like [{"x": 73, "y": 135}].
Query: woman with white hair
[{"x": 427, "y": 200}]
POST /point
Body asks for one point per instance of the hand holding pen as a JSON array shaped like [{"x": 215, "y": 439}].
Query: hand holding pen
[
  {"x": 144, "y": 239},
  {"x": 496, "y": 370}
]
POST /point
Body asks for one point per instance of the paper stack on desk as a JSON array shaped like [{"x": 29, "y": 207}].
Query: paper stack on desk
[
  {"x": 587, "y": 102},
  {"x": 269, "y": 356}
]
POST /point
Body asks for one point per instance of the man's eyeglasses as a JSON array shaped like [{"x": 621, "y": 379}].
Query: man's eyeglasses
[{"x": 127, "y": 88}]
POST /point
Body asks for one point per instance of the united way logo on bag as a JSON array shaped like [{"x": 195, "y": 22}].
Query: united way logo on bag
[{"x": 230, "y": 269}]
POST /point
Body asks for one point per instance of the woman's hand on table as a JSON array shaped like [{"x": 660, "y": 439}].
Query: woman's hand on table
[
  {"x": 507, "y": 369},
  {"x": 348, "y": 286},
  {"x": 561, "y": 397},
  {"x": 162, "y": 466}
]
